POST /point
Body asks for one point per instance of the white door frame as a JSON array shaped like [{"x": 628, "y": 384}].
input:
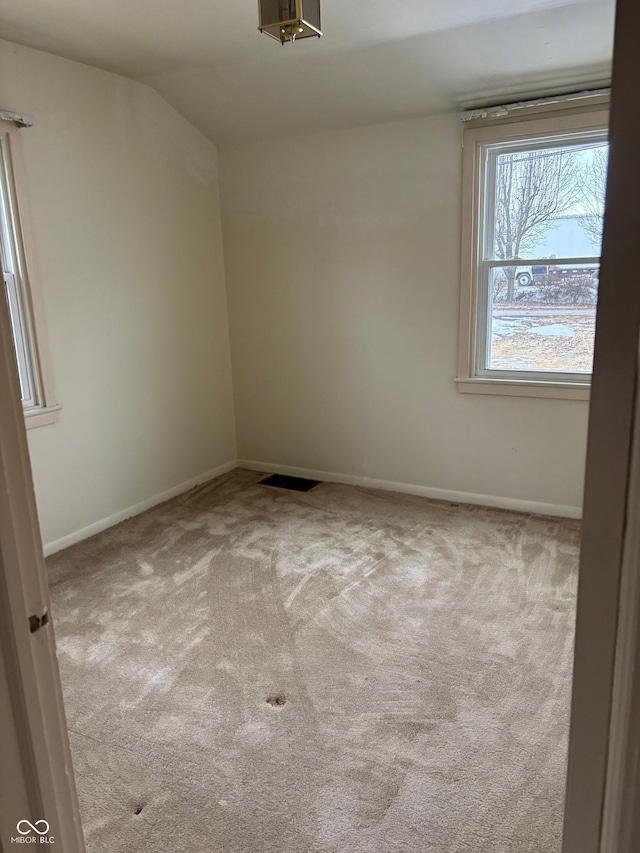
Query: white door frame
[
  {"x": 621, "y": 814},
  {"x": 602, "y": 782},
  {"x": 36, "y": 773}
]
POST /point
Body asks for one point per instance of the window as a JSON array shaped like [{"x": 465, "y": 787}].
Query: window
[
  {"x": 533, "y": 207},
  {"x": 24, "y": 317}
]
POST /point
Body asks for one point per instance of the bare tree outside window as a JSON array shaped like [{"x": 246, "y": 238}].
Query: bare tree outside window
[
  {"x": 592, "y": 193},
  {"x": 533, "y": 188}
]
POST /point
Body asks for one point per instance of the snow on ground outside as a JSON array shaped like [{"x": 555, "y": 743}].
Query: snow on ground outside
[
  {"x": 543, "y": 339},
  {"x": 557, "y": 330}
]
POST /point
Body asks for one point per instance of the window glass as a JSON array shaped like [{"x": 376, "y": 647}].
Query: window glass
[
  {"x": 549, "y": 202},
  {"x": 550, "y": 326},
  {"x": 544, "y": 203}
]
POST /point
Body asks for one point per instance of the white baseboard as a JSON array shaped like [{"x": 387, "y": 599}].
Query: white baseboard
[
  {"x": 537, "y": 507},
  {"x": 136, "y": 509}
]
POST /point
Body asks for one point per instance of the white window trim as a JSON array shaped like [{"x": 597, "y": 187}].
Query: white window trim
[
  {"x": 45, "y": 409},
  {"x": 571, "y": 387}
]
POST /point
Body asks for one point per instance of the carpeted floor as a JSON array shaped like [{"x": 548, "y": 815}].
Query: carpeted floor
[{"x": 248, "y": 669}]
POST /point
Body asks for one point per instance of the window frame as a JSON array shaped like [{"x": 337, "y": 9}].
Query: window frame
[
  {"x": 25, "y": 300},
  {"x": 473, "y": 377}
]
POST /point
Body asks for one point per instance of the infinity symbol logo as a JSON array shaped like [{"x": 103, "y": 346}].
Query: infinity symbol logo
[{"x": 33, "y": 827}]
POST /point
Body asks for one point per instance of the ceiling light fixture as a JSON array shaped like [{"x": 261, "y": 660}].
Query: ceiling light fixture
[{"x": 289, "y": 20}]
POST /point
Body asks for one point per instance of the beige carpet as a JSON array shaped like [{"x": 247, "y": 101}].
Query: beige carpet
[{"x": 248, "y": 669}]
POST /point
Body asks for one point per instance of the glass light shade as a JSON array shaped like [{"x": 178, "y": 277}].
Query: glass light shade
[{"x": 289, "y": 20}]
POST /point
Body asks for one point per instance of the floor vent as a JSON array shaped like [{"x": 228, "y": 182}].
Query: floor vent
[{"x": 295, "y": 484}]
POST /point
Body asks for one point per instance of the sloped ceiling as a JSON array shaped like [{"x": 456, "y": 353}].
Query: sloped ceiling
[{"x": 377, "y": 61}]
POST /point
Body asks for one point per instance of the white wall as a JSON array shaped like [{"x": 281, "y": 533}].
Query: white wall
[
  {"x": 125, "y": 214},
  {"x": 342, "y": 264}
]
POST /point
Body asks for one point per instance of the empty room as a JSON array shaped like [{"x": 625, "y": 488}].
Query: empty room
[{"x": 300, "y": 323}]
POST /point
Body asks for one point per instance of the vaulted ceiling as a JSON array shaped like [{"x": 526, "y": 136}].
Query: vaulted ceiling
[{"x": 377, "y": 61}]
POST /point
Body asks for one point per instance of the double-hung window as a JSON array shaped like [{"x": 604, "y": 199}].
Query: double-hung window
[
  {"x": 24, "y": 309},
  {"x": 534, "y": 194}
]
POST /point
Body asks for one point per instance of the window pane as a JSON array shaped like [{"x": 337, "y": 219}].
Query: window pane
[
  {"x": 19, "y": 339},
  {"x": 549, "y": 202},
  {"x": 13, "y": 289},
  {"x": 542, "y": 317}
]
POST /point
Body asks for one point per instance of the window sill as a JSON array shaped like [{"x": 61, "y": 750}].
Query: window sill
[
  {"x": 41, "y": 416},
  {"x": 524, "y": 388}
]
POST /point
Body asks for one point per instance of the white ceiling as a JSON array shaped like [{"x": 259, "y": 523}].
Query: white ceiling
[{"x": 377, "y": 61}]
